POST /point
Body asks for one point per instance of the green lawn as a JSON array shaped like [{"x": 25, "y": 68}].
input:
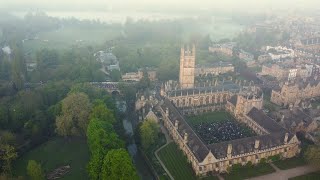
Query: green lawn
[
  {"x": 290, "y": 163},
  {"x": 176, "y": 162},
  {"x": 57, "y": 152},
  {"x": 244, "y": 172},
  {"x": 309, "y": 176},
  {"x": 216, "y": 116},
  {"x": 153, "y": 159}
]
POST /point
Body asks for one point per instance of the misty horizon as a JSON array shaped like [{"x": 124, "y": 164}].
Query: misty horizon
[{"x": 156, "y": 5}]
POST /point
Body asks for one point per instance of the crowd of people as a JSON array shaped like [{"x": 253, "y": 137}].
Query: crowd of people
[{"x": 215, "y": 132}]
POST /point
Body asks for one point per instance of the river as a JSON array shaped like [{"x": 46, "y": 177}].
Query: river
[{"x": 138, "y": 160}]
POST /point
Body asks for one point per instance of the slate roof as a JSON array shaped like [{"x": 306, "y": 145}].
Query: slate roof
[
  {"x": 246, "y": 145},
  {"x": 227, "y": 86},
  {"x": 265, "y": 121},
  {"x": 239, "y": 146},
  {"x": 233, "y": 100},
  {"x": 198, "y": 148}
]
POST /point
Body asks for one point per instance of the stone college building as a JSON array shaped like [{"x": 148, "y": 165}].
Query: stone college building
[{"x": 243, "y": 102}]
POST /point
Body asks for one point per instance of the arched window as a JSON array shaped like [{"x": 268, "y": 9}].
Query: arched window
[
  {"x": 201, "y": 101},
  {"x": 207, "y": 100}
]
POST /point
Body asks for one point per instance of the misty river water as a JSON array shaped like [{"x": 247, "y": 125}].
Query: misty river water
[{"x": 140, "y": 164}]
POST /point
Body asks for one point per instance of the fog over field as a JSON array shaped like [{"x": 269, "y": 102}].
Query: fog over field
[{"x": 154, "y": 5}]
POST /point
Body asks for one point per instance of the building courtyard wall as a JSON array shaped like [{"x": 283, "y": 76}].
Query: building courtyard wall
[{"x": 288, "y": 149}]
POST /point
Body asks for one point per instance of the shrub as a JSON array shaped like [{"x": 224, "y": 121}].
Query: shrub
[{"x": 274, "y": 158}]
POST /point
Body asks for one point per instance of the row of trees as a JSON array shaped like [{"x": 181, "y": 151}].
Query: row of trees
[{"x": 80, "y": 117}]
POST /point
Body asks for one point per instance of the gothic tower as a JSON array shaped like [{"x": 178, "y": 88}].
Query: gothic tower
[{"x": 187, "y": 66}]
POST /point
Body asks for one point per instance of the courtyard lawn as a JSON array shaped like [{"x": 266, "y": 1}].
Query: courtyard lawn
[
  {"x": 249, "y": 171},
  {"x": 176, "y": 162},
  {"x": 290, "y": 163},
  {"x": 55, "y": 153},
  {"x": 216, "y": 116},
  {"x": 215, "y": 127},
  {"x": 309, "y": 176}
]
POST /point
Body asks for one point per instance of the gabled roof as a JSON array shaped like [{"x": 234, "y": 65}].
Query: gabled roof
[
  {"x": 233, "y": 100},
  {"x": 198, "y": 148},
  {"x": 265, "y": 121},
  {"x": 246, "y": 145}
]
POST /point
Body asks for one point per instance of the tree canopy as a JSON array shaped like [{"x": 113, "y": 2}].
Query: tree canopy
[
  {"x": 149, "y": 133},
  {"x": 312, "y": 155},
  {"x": 74, "y": 119},
  {"x": 34, "y": 170},
  {"x": 117, "y": 164}
]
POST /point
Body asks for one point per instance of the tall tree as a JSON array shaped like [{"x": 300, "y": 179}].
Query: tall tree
[
  {"x": 101, "y": 112},
  {"x": 149, "y": 133},
  {"x": 7, "y": 156},
  {"x": 34, "y": 170},
  {"x": 18, "y": 68},
  {"x": 312, "y": 155},
  {"x": 101, "y": 138},
  {"x": 117, "y": 165},
  {"x": 74, "y": 119}
]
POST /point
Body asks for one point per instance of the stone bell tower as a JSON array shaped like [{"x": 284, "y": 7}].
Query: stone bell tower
[{"x": 187, "y": 67}]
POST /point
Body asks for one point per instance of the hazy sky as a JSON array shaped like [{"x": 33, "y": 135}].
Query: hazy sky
[{"x": 223, "y": 4}]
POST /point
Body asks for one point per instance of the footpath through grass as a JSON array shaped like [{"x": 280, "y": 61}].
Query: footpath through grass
[{"x": 54, "y": 153}]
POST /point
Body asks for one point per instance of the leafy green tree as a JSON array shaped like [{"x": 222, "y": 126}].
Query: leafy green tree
[
  {"x": 4, "y": 115},
  {"x": 18, "y": 68},
  {"x": 312, "y": 155},
  {"x": 149, "y": 133},
  {"x": 129, "y": 91},
  {"x": 34, "y": 170},
  {"x": 7, "y": 137},
  {"x": 101, "y": 112},
  {"x": 101, "y": 135},
  {"x": 74, "y": 119},
  {"x": 7, "y": 156},
  {"x": 115, "y": 75},
  {"x": 101, "y": 138},
  {"x": 117, "y": 165}
]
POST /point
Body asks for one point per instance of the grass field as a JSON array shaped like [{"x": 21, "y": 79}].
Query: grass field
[
  {"x": 216, "y": 116},
  {"x": 57, "y": 152},
  {"x": 290, "y": 163},
  {"x": 245, "y": 172},
  {"x": 176, "y": 162},
  {"x": 309, "y": 176}
]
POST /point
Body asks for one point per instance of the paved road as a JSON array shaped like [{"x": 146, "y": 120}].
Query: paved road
[{"x": 286, "y": 174}]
